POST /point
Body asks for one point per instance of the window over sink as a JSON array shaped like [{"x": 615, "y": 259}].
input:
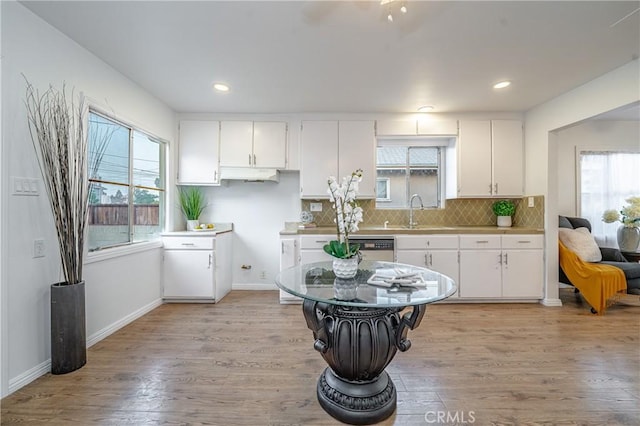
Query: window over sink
[{"x": 410, "y": 166}]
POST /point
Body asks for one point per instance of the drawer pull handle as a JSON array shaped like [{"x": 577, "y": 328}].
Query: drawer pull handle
[
  {"x": 321, "y": 242},
  {"x": 188, "y": 244},
  {"x": 523, "y": 242},
  {"x": 482, "y": 242}
]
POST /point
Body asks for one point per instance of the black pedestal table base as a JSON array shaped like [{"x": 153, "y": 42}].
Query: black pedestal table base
[{"x": 358, "y": 343}]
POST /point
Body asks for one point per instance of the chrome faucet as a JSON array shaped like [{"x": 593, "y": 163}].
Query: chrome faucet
[{"x": 411, "y": 222}]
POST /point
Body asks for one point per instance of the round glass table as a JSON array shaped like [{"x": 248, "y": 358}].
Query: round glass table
[{"x": 358, "y": 326}]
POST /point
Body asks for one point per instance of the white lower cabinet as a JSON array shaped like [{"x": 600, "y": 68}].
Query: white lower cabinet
[
  {"x": 522, "y": 266},
  {"x": 507, "y": 266},
  {"x": 288, "y": 259},
  {"x": 196, "y": 268},
  {"x": 436, "y": 252}
]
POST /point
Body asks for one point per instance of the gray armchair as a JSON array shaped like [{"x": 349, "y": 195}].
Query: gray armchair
[{"x": 610, "y": 256}]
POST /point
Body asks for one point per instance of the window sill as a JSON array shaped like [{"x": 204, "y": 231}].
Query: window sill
[{"x": 114, "y": 252}]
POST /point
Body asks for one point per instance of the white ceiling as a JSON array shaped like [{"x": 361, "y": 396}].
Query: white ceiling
[{"x": 344, "y": 56}]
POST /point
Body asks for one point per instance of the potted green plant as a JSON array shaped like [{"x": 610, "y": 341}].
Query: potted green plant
[
  {"x": 192, "y": 203},
  {"x": 347, "y": 216},
  {"x": 57, "y": 125},
  {"x": 504, "y": 209}
]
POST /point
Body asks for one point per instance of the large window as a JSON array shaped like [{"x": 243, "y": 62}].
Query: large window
[
  {"x": 607, "y": 178},
  {"x": 127, "y": 195},
  {"x": 406, "y": 167}
]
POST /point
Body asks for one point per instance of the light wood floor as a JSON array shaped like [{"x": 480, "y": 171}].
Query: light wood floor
[{"x": 250, "y": 361}]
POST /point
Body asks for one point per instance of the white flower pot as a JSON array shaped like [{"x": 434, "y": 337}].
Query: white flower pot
[
  {"x": 628, "y": 238},
  {"x": 192, "y": 224},
  {"x": 345, "y": 289},
  {"x": 345, "y": 268},
  {"x": 504, "y": 221}
]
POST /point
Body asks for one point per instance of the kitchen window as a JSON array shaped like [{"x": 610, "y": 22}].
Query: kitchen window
[
  {"x": 126, "y": 200},
  {"x": 407, "y": 167}
]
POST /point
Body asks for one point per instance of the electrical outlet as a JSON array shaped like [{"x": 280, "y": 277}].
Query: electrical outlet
[
  {"x": 316, "y": 207},
  {"x": 530, "y": 202},
  {"x": 263, "y": 275},
  {"x": 38, "y": 248}
]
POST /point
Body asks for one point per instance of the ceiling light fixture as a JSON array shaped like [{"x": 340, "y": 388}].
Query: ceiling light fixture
[
  {"x": 425, "y": 108},
  {"x": 403, "y": 8},
  {"x": 502, "y": 84},
  {"x": 221, "y": 87},
  {"x": 390, "y": 17}
]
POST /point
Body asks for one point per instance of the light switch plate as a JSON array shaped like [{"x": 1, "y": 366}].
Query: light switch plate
[
  {"x": 316, "y": 207},
  {"x": 531, "y": 202}
]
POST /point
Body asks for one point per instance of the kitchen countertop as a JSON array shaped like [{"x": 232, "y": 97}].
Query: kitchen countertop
[
  {"x": 418, "y": 230},
  {"x": 219, "y": 229}
]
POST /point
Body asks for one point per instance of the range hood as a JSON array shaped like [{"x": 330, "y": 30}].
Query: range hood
[{"x": 249, "y": 174}]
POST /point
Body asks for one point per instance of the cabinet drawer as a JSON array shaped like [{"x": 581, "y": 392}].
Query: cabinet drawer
[
  {"x": 189, "y": 243},
  {"x": 479, "y": 241},
  {"x": 522, "y": 241},
  {"x": 315, "y": 241},
  {"x": 426, "y": 242}
]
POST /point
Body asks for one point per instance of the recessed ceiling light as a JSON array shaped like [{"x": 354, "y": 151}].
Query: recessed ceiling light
[
  {"x": 426, "y": 108},
  {"x": 502, "y": 84},
  {"x": 221, "y": 87}
]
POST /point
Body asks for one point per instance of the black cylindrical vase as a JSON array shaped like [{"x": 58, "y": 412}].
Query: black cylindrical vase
[{"x": 68, "y": 328}]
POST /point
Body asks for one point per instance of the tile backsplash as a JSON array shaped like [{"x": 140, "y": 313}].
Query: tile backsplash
[{"x": 457, "y": 212}]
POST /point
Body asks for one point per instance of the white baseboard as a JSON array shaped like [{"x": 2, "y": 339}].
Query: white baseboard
[
  {"x": 253, "y": 286},
  {"x": 551, "y": 302},
  {"x": 110, "y": 329},
  {"x": 29, "y": 376},
  {"x": 45, "y": 367}
]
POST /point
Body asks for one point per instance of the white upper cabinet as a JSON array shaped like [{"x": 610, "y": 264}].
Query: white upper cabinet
[
  {"x": 356, "y": 150},
  {"x": 490, "y": 158},
  {"x": 269, "y": 144},
  {"x": 318, "y": 157},
  {"x": 253, "y": 144},
  {"x": 332, "y": 148},
  {"x": 236, "y": 144},
  {"x": 396, "y": 127},
  {"x": 508, "y": 157},
  {"x": 474, "y": 159},
  {"x": 198, "y": 158},
  {"x": 420, "y": 127},
  {"x": 437, "y": 127}
]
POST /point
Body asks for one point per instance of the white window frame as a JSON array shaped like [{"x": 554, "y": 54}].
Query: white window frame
[
  {"x": 387, "y": 183},
  {"x": 131, "y": 246}
]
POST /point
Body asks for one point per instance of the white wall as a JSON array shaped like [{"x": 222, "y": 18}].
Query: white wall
[
  {"x": 258, "y": 212},
  {"x": 600, "y": 134},
  {"x": 115, "y": 290},
  {"x": 615, "y": 89}
]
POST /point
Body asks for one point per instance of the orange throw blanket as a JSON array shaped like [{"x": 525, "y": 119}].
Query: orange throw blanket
[{"x": 600, "y": 285}]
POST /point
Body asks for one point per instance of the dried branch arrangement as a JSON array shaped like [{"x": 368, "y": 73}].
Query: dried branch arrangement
[{"x": 59, "y": 136}]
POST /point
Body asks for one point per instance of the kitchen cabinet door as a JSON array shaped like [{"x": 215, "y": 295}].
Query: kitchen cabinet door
[
  {"x": 445, "y": 262},
  {"x": 356, "y": 150},
  {"x": 198, "y": 153},
  {"x": 508, "y": 161},
  {"x": 319, "y": 157},
  {"x": 480, "y": 274},
  {"x": 437, "y": 127},
  {"x": 442, "y": 261},
  {"x": 396, "y": 127},
  {"x": 522, "y": 274},
  {"x": 236, "y": 144},
  {"x": 474, "y": 159},
  {"x": 269, "y": 144},
  {"x": 189, "y": 274}
]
